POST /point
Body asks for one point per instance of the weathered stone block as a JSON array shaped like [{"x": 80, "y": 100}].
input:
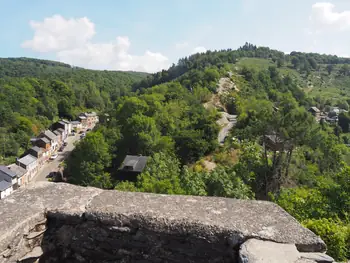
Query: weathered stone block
[{"x": 90, "y": 225}]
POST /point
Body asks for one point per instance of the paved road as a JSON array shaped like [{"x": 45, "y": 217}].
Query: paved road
[{"x": 52, "y": 165}]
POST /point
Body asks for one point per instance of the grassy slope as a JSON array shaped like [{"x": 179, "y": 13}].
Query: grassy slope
[{"x": 318, "y": 83}]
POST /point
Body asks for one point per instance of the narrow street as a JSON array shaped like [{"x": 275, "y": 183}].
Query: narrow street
[{"x": 52, "y": 165}]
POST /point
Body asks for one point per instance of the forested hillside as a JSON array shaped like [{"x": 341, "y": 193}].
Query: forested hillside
[
  {"x": 277, "y": 151},
  {"x": 34, "y": 93}
]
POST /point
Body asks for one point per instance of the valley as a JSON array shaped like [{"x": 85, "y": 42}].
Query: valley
[{"x": 243, "y": 124}]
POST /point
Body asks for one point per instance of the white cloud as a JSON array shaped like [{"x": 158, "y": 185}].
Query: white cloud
[
  {"x": 71, "y": 40},
  {"x": 324, "y": 17},
  {"x": 57, "y": 33},
  {"x": 199, "y": 49},
  {"x": 181, "y": 45},
  {"x": 325, "y": 32}
]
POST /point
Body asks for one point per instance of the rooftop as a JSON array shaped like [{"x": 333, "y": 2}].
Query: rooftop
[
  {"x": 65, "y": 121},
  {"x": 134, "y": 163},
  {"x": 4, "y": 185},
  {"x": 36, "y": 149},
  {"x": 274, "y": 138},
  {"x": 45, "y": 140},
  {"x": 20, "y": 171},
  {"x": 7, "y": 171},
  {"x": 49, "y": 134},
  {"x": 28, "y": 159},
  {"x": 90, "y": 114},
  {"x": 315, "y": 109},
  {"x": 62, "y": 122}
]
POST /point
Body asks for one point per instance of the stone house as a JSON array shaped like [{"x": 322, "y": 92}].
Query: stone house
[
  {"x": 22, "y": 175},
  {"x": 76, "y": 125},
  {"x": 45, "y": 146},
  {"x": 52, "y": 138},
  {"x": 38, "y": 153},
  {"x": 8, "y": 175},
  {"x": 83, "y": 121},
  {"x": 5, "y": 189},
  {"x": 30, "y": 163},
  {"x": 68, "y": 127},
  {"x": 43, "y": 143},
  {"x": 131, "y": 167},
  {"x": 89, "y": 119},
  {"x": 65, "y": 125},
  {"x": 61, "y": 135}
]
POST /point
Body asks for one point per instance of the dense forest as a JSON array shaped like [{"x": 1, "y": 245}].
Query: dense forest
[
  {"x": 163, "y": 116},
  {"x": 34, "y": 93}
]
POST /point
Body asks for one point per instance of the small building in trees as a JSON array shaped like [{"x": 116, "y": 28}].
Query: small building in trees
[
  {"x": 131, "y": 167},
  {"x": 315, "y": 111},
  {"x": 274, "y": 142}
]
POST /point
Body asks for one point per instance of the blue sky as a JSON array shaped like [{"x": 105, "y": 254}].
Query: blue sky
[{"x": 150, "y": 35}]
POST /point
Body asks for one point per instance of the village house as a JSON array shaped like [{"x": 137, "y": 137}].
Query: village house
[
  {"x": 22, "y": 175},
  {"x": 65, "y": 125},
  {"x": 30, "y": 163},
  {"x": 58, "y": 136},
  {"x": 52, "y": 139},
  {"x": 38, "y": 153},
  {"x": 8, "y": 175},
  {"x": 131, "y": 167},
  {"x": 83, "y": 121},
  {"x": 61, "y": 135},
  {"x": 43, "y": 143},
  {"x": 5, "y": 189},
  {"x": 68, "y": 127},
  {"x": 45, "y": 146},
  {"x": 76, "y": 125},
  {"x": 88, "y": 119}
]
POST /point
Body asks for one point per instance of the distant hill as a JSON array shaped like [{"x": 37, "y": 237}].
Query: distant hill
[
  {"x": 322, "y": 75},
  {"x": 34, "y": 93},
  {"x": 39, "y": 68}
]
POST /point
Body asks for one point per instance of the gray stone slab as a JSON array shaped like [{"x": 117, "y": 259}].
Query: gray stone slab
[
  {"x": 35, "y": 253},
  {"x": 259, "y": 251},
  {"x": 27, "y": 206},
  {"x": 317, "y": 257},
  {"x": 215, "y": 220},
  {"x": 204, "y": 216}
]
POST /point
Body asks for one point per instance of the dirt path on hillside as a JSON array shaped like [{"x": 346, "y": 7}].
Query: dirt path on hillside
[{"x": 227, "y": 121}]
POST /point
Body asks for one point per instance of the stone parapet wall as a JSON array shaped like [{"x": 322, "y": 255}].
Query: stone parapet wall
[{"x": 67, "y": 223}]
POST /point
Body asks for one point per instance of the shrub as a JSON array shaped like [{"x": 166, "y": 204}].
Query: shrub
[{"x": 335, "y": 234}]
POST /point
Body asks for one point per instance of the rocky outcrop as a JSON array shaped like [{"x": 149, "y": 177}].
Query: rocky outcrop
[
  {"x": 259, "y": 251},
  {"x": 67, "y": 223}
]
